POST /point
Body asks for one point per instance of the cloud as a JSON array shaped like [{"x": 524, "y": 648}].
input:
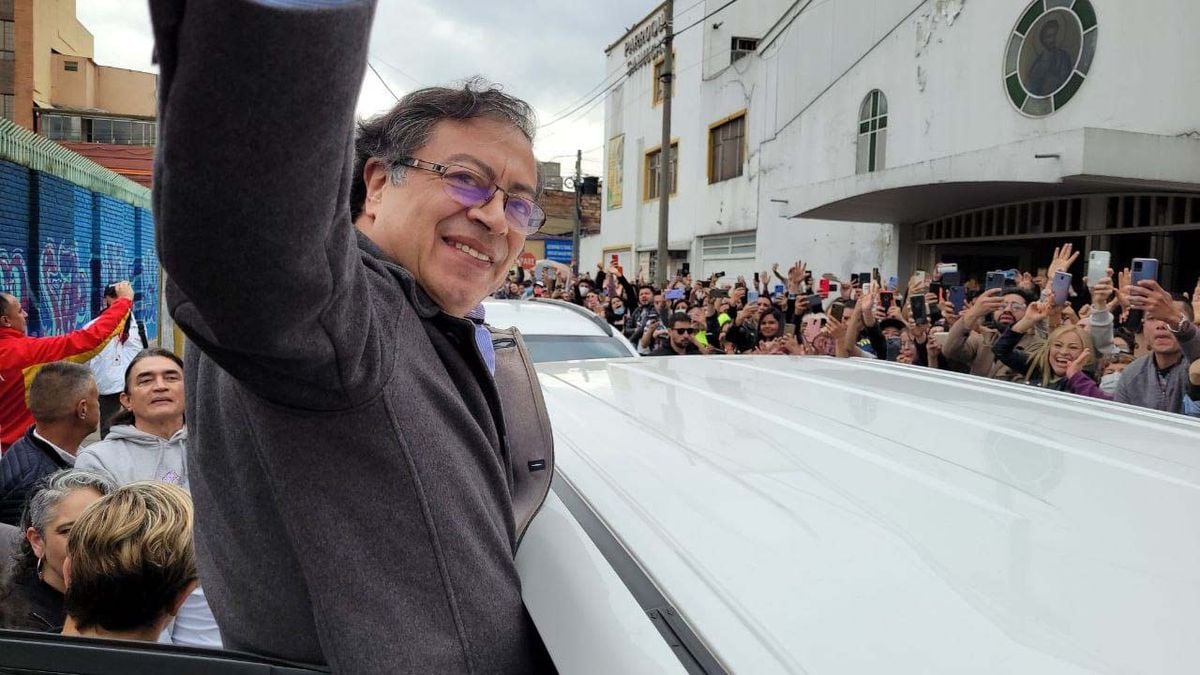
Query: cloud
[{"x": 549, "y": 53}]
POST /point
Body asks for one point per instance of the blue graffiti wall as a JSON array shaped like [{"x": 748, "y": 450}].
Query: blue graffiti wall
[{"x": 61, "y": 244}]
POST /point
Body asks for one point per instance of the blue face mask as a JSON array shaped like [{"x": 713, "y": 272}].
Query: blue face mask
[{"x": 620, "y": 311}]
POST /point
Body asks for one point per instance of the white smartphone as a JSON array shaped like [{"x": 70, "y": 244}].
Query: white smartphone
[{"x": 1098, "y": 264}]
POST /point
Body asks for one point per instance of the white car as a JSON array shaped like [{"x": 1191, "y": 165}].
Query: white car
[
  {"x": 817, "y": 515},
  {"x": 555, "y": 330}
]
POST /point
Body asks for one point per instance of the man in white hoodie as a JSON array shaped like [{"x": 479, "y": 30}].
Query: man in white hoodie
[
  {"x": 110, "y": 364},
  {"x": 148, "y": 441}
]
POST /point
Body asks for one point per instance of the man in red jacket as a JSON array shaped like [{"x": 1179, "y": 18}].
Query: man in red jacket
[{"x": 20, "y": 355}]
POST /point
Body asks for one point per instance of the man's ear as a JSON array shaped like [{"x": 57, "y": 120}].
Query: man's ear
[
  {"x": 182, "y": 597},
  {"x": 375, "y": 177}
]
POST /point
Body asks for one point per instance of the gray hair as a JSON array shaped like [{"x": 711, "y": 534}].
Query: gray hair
[
  {"x": 398, "y": 133},
  {"x": 43, "y": 501}
]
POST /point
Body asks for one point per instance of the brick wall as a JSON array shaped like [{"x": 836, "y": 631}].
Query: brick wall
[{"x": 61, "y": 244}]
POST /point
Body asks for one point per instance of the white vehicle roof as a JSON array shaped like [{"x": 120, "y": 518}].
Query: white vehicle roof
[
  {"x": 541, "y": 317},
  {"x": 847, "y": 516}
]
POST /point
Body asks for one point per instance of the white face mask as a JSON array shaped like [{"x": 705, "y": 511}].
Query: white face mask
[{"x": 1108, "y": 383}]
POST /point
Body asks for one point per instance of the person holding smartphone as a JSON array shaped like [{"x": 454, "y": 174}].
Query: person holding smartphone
[{"x": 1159, "y": 379}]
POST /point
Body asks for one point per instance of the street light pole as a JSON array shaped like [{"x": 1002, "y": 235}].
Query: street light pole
[
  {"x": 665, "y": 154},
  {"x": 578, "y": 215}
]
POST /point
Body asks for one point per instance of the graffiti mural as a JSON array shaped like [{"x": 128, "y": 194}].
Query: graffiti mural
[
  {"x": 13, "y": 277},
  {"x": 116, "y": 264},
  {"x": 66, "y": 289}
]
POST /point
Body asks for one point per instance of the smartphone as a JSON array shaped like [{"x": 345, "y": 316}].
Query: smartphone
[
  {"x": 864, "y": 279},
  {"x": 886, "y": 298},
  {"x": 674, "y": 294},
  {"x": 946, "y": 268},
  {"x": 958, "y": 298},
  {"x": 935, "y": 287},
  {"x": 823, "y": 287},
  {"x": 833, "y": 288},
  {"x": 1144, "y": 269},
  {"x": 893, "y": 348},
  {"x": 814, "y": 303},
  {"x": 950, "y": 279},
  {"x": 778, "y": 288},
  {"x": 719, "y": 293},
  {"x": 837, "y": 310},
  {"x": 920, "y": 310},
  {"x": 615, "y": 261},
  {"x": 1060, "y": 285},
  {"x": 789, "y": 330},
  {"x": 919, "y": 275},
  {"x": 756, "y": 278},
  {"x": 1098, "y": 264},
  {"x": 893, "y": 282},
  {"x": 685, "y": 269},
  {"x": 751, "y": 296},
  {"x": 994, "y": 280}
]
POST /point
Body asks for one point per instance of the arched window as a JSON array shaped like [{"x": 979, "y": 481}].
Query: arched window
[{"x": 872, "y": 133}]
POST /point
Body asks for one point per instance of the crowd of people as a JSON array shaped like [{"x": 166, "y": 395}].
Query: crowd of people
[
  {"x": 1107, "y": 338},
  {"x": 96, "y": 539}
]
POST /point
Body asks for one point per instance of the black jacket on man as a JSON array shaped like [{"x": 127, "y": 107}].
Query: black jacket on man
[{"x": 28, "y": 460}]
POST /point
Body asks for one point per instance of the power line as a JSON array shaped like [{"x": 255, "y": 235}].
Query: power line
[
  {"x": 705, "y": 18},
  {"x": 562, "y": 117},
  {"x": 398, "y": 70},
  {"x": 382, "y": 81}
]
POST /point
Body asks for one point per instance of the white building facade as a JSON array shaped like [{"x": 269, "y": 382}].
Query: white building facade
[{"x": 898, "y": 133}]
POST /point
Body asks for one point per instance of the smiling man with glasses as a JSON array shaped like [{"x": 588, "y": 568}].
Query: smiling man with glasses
[{"x": 365, "y": 453}]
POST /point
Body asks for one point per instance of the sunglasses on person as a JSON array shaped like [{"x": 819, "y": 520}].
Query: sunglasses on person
[
  {"x": 471, "y": 190},
  {"x": 685, "y": 331}
]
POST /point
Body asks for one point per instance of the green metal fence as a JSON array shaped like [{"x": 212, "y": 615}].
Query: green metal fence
[{"x": 21, "y": 146}]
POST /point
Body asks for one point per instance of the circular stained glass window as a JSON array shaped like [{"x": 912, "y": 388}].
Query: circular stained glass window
[{"x": 1049, "y": 54}]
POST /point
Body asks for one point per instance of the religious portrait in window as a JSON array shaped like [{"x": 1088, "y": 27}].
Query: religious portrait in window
[{"x": 1050, "y": 52}]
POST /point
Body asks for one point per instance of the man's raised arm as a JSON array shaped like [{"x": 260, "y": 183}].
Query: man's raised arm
[{"x": 251, "y": 184}]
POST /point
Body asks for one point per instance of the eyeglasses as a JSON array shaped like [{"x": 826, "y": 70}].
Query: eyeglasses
[
  {"x": 685, "y": 331},
  {"x": 1012, "y": 305},
  {"x": 471, "y": 190}
]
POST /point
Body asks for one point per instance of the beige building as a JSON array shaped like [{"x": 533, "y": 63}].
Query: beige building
[{"x": 51, "y": 83}]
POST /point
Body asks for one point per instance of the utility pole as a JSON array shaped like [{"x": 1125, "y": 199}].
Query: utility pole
[
  {"x": 665, "y": 154},
  {"x": 578, "y": 214}
]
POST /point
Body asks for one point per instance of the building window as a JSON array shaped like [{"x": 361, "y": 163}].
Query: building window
[
  {"x": 727, "y": 149},
  {"x": 97, "y": 130},
  {"x": 658, "y": 66},
  {"x": 742, "y": 47},
  {"x": 729, "y": 245},
  {"x": 872, "y": 133},
  {"x": 654, "y": 166},
  {"x": 7, "y": 104},
  {"x": 8, "y": 40},
  {"x": 72, "y": 66}
]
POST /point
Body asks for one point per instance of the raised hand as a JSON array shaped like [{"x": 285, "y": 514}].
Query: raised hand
[
  {"x": 796, "y": 274},
  {"x": 1102, "y": 291},
  {"x": 1156, "y": 302},
  {"x": 1064, "y": 257},
  {"x": 1079, "y": 363}
]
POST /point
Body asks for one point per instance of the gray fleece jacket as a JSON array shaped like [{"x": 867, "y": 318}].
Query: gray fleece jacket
[{"x": 129, "y": 454}]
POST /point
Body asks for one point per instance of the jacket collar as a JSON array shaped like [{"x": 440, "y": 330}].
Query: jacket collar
[
  {"x": 424, "y": 305},
  {"x": 9, "y": 333},
  {"x": 45, "y": 447}
]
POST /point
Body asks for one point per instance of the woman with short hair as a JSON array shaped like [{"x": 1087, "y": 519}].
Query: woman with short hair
[
  {"x": 32, "y": 586},
  {"x": 130, "y": 563}
]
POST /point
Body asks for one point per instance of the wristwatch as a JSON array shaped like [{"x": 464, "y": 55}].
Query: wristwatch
[{"x": 1184, "y": 324}]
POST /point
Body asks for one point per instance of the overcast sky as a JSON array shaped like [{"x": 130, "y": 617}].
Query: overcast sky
[{"x": 549, "y": 53}]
